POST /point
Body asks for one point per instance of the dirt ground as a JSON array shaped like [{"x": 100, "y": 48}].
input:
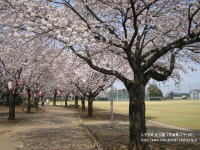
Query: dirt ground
[
  {"x": 115, "y": 137},
  {"x": 59, "y": 128},
  {"x": 53, "y": 129}
]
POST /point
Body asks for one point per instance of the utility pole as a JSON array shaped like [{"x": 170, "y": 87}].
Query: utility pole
[
  {"x": 117, "y": 97},
  {"x": 111, "y": 107}
]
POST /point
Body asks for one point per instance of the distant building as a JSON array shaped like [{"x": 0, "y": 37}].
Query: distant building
[
  {"x": 176, "y": 96},
  {"x": 195, "y": 94},
  {"x": 154, "y": 98}
]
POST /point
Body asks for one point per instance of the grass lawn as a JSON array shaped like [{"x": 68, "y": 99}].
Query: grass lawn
[{"x": 181, "y": 113}]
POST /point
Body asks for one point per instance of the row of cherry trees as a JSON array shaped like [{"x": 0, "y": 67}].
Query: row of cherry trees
[
  {"x": 132, "y": 40},
  {"x": 21, "y": 63},
  {"x": 73, "y": 77},
  {"x": 89, "y": 83},
  {"x": 42, "y": 66}
]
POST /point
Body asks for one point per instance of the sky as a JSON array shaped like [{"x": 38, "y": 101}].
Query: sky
[{"x": 191, "y": 80}]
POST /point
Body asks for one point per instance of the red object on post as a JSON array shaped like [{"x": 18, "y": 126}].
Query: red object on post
[
  {"x": 58, "y": 93},
  {"x": 35, "y": 95},
  {"x": 24, "y": 92},
  {"x": 40, "y": 93},
  {"x": 10, "y": 86},
  {"x": 31, "y": 93},
  {"x": 21, "y": 83}
]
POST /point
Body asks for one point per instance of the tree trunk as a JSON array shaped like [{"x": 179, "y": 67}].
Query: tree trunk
[
  {"x": 54, "y": 99},
  {"x": 11, "y": 106},
  {"x": 90, "y": 107},
  {"x": 76, "y": 102},
  {"x": 7, "y": 98},
  {"x": 29, "y": 101},
  {"x": 23, "y": 103},
  {"x": 83, "y": 104},
  {"x": 136, "y": 115},
  {"x": 42, "y": 100},
  {"x": 36, "y": 101},
  {"x": 66, "y": 99}
]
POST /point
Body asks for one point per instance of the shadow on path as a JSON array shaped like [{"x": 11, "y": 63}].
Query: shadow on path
[{"x": 56, "y": 128}]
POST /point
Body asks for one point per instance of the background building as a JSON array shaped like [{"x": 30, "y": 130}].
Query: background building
[
  {"x": 195, "y": 94},
  {"x": 178, "y": 96}
]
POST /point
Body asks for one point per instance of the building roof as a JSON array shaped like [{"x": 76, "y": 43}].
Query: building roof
[
  {"x": 178, "y": 94},
  {"x": 198, "y": 90}
]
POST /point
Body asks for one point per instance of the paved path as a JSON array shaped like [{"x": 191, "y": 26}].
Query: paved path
[{"x": 55, "y": 129}]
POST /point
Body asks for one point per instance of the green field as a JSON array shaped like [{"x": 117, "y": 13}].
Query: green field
[{"x": 182, "y": 113}]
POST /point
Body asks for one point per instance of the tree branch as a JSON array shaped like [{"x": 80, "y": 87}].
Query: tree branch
[
  {"x": 190, "y": 18},
  {"x": 112, "y": 31},
  {"x": 67, "y": 4},
  {"x": 146, "y": 7},
  {"x": 134, "y": 24},
  {"x": 180, "y": 43},
  {"x": 99, "y": 69},
  {"x": 160, "y": 73}
]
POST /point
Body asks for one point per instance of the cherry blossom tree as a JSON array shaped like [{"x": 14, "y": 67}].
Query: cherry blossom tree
[
  {"x": 61, "y": 76},
  {"x": 133, "y": 40},
  {"x": 28, "y": 61},
  {"x": 90, "y": 83},
  {"x": 151, "y": 38},
  {"x": 35, "y": 73},
  {"x": 12, "y": 64}
]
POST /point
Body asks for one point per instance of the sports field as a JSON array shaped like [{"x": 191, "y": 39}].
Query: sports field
[{"x": 181, "y": 113}]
